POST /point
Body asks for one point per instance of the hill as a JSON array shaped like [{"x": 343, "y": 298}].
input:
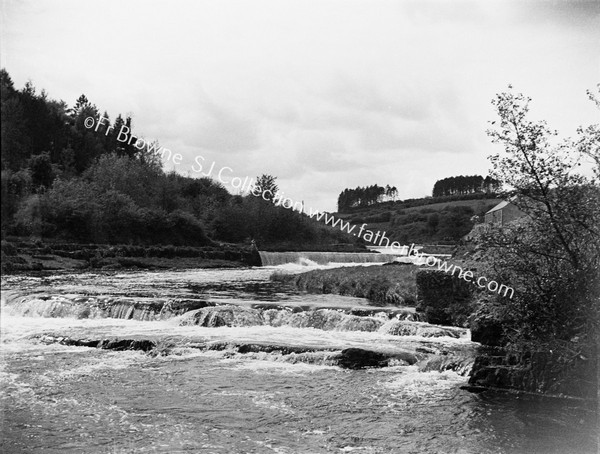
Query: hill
[
  {"x": 65, "y": 181},
  {"x": 430, "y": 220}
]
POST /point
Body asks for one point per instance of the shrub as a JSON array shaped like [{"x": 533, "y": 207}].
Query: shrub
[
  {"x": 445, "y": 299},
  {"x": 186, "y": 229}
]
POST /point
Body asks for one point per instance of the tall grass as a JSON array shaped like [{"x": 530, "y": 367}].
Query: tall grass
[{"x": 382, "y": 285}]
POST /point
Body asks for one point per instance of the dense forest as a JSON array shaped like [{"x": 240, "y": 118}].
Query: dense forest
[
  {"x": 364, "y": 197},
  {"x": 62, "y": 181},
  {"x": 461, "y": 185}
]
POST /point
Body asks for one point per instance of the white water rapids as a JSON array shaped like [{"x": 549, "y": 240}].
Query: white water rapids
[{"x": 230, "y": 362}]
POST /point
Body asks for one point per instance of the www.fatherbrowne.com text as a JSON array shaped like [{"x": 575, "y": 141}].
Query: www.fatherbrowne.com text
[
  {"x": 247, "y": 185},
  {"x": 378, "y": 239}
]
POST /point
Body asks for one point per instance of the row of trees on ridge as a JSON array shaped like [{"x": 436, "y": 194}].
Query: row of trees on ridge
[
  {"x": 470, "y": 184},
  {"x": 364, "y": 197}
]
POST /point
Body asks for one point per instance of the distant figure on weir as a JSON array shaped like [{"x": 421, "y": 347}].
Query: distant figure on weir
[{"x": 253, "y": 245}]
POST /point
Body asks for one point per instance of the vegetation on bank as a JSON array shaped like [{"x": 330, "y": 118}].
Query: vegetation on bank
[
  {"x": 382, "y": 285},
  {"x": 551, "y": 257},
  {"x": 352, "y": 200},
  {"x": 457, "y": 204},
  {"x": 441, "y": 220},
  {"x": 441, "y": 298},
  {"x": 549, "y": 330},
  {"x": 546, "y": 337},
  {"x": 64, "y": 182},
  {"x": 22, "y": 256}
]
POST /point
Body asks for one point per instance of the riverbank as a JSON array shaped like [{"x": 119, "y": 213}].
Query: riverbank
[
  {"x": 442, "y": 299},
  {"x": 386, "y": 284},
  {"x": 22, "y": 256}
]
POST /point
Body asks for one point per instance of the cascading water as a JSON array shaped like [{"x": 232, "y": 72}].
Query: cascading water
[
  {"x": 397, "y": 321},
  {"x": 58, "y": 306},
  {"x": 322, "y": 258},
  {"x": 225, "y": 361}
]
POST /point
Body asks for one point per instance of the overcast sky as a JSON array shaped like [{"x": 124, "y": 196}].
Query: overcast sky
[{"x": 322, "y": 94}]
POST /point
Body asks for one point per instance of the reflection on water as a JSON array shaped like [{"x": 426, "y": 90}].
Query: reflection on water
[{"x": 60, "y": 399}]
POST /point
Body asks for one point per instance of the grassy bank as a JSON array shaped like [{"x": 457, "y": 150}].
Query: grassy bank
[{"x": 382, "y": 285}]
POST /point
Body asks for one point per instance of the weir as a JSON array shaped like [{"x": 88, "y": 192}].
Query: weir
[{"x": 322, "y": 258}]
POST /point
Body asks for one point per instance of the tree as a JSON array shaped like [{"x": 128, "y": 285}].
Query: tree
[
  {"x": 267, "y": 186},
  {"x": 433, "y": 220},
  {"x": 552, "y": 256},
  {"x": 363, "y": 197},
  {"x": 81, "y": 104},
  {"x": 455, "y": 222},
  {"x": 391, "y": 192},
  {"x": 465, "y": 185},
  {"x": 42, "y": 173},
  {"x": 589, "y": 138},
  {"x": 67, "y": 179},
  {"x": 15, "y": 141},
  {"x": 87, "y": 143},
  {"x": 112, "y": 172}
]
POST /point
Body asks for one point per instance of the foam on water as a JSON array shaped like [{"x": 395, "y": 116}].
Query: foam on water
[
  {"x": 413, "y": 382},
  {"x": 258, "y": 365},
  {"x": 303, "y": 265},
  {"x": 185, "y": 397},
  {"x": 324, "y": 258},
  {"x": 19, "y": 329}
]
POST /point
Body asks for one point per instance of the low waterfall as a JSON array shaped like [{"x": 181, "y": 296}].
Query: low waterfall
[
  {"x": 211, "y": 315},
  {"x": 323, "y": 258},
  {"x": 323, "y": 319},
  {"x": 441, "y": 355},
  {"x": 63, "y": 306}
]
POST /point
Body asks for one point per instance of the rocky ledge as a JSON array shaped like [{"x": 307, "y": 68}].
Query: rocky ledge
[{"x": 28, "y": 256}]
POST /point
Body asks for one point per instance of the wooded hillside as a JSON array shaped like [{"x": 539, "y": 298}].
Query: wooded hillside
[{"x": 63, "y": 181}]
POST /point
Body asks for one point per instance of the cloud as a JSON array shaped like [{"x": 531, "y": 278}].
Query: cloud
[
  {"x": 216, "y": 128},
  {"x": 323, "y": 151},
  {"x": 400, "y": 99},
  {"x": 325, "y": 95}
]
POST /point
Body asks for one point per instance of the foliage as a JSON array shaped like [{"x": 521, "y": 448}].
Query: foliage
[
  {"x": 551, "y": 257},
  {"x": 15, "y": 187},
  {"x": 80, "y": 211},
  {"x": 445, "y": 299},
  {"x": 448, "y": 224},
  {"x": 63, "y": 180},
  {"x": 400, "y": 205},
  {"x": 382, "y": 285},
  {"x": 465, "y": 185},
  {"x": 363, "y": 197},
  {"x": 127, "y": 176},
  {"x": 266, "y": 185},
  {"x": 250, "y": 217},
  {"x": 42, "y": 173}
]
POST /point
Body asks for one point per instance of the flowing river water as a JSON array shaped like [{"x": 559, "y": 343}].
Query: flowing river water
[{"x": 227, "y": 361}]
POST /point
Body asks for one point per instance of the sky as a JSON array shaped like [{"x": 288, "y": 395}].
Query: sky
[{"x": 323, "y": 94}]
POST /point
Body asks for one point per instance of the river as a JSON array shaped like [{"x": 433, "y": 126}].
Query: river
[{"x": 227, "y": 361}]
